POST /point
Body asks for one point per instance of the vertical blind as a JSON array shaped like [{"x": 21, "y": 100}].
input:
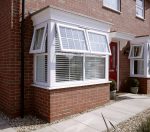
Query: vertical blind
[{"x": 41, "y": 68}]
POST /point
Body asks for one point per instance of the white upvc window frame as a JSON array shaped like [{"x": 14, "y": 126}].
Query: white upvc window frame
[
  {"x": 51, "y": 63},
  {"x": 142, "y": 8},
  {"x": 144, "y": 59},
  {"x": 132, "y": 48},
  {"x": 111, "y": 7},
  {"x": 42, "y": 47},
  {"x": 58, "y": 25},
  {"x": 35, "y": 67},
  {"x": 107, "y": 39}
]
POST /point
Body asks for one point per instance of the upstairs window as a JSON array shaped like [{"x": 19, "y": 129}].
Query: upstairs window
[
  {"x": 39, "y": 38},
  {"x": 113, "y": 4},
  {"x": 140, "y": 8}
]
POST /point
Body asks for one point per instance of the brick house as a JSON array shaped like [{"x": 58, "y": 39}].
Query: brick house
[{"x": 71, "y": 51}]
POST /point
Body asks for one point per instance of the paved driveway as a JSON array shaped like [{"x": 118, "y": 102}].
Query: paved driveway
[{"x": 129, "y": 106}]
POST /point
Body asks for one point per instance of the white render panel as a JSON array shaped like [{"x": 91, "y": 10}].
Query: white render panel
[{"x": 60, "y": 15}]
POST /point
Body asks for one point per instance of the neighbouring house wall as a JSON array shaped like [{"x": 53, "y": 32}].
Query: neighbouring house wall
[
  {"x": 53, "y": 105},
  {"x": 9, "y": 57}
]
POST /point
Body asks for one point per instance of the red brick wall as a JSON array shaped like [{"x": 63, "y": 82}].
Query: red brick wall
[
  {"x": 126, "y": 21},
  {"x": 9, "y": 57},
  {"x": 56, "y": 104}
]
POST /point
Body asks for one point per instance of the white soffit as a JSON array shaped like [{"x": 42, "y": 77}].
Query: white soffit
[
  {"x": 63, "y": 16},
  {"x": 121, "y": 36},
  {"x": 141, "y": 39}
]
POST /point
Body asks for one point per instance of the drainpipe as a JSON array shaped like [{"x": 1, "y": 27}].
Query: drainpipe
[{"x": 22, "y": 62}]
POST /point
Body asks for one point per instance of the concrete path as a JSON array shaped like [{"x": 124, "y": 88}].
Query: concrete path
[
  {"x": 129, "y": 106},
  {"x": 4, "y": 127}
]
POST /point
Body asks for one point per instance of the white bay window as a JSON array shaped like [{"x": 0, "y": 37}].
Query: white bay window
[{"x": 80, "y": 56}]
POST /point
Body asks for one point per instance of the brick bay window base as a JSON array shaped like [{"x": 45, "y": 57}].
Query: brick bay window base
[{"x": 52, "y": 105}]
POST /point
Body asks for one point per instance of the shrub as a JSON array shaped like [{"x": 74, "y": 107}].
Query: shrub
[
  {"x": 133, "y": 82},
  {"x": 145, "y": 126},
  {"x": 113, "y": 85}
]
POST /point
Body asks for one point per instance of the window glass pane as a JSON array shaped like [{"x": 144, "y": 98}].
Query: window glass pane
[
  {"x": 41, "y": 68},
  {"x": 38, "y": 38},
  {"x": 139, "y": 3},
  {"x": 98, "y": 43},
  {"x": 69, "y": 68},
  {"x": 136, "y": 51},
  {"x": 114, "y": 4},
  {"x": 139, "y": 11},
  {"x": 94, "y": 68},
  {"x": 139, "y": 67},
  {"x": 140, "y": 8},
  {"x": 72, "y": 39}
]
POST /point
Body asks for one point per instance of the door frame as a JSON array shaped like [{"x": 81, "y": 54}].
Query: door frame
[{"x": 118, "y": 61}]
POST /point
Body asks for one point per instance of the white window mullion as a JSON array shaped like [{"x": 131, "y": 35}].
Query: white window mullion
[
  {"x": 84, "y": 67},
  {"x": 52, "y": 50}
]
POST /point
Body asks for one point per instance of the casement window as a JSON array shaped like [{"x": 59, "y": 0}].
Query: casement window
[
  {"x": 98, "y": 43},
  {"x": 136, "y": 51},
  {"x": 80, "y": 56},
  {"x": 136, "y": 57},
  {"x": 39, "y": 38},
  {"x": 140, "y": 8},
  {"x": 113, "y": 4},
  {"x": 72, "y": 38}
]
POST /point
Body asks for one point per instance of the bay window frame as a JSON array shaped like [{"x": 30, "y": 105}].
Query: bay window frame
[
  {"x": 58, "y": 25},
  {"x": 51, "y": 61},
  {"x": 42, "y": 47},
  {"x": 99, "y": 33}
]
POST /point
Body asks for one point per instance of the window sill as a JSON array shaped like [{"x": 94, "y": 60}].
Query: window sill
[
  {"x": 140, "y": 18},
  {"x": 139, "y": 76},
  {"x": 73, "y": 85},
  {"x": 111, "y": 9}
]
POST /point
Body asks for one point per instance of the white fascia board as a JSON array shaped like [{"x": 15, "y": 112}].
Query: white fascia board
[
  {"x": 63, "y": 16},
  {"x": 121, "y": 36},
  {"x": 141, "y": 40}
]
